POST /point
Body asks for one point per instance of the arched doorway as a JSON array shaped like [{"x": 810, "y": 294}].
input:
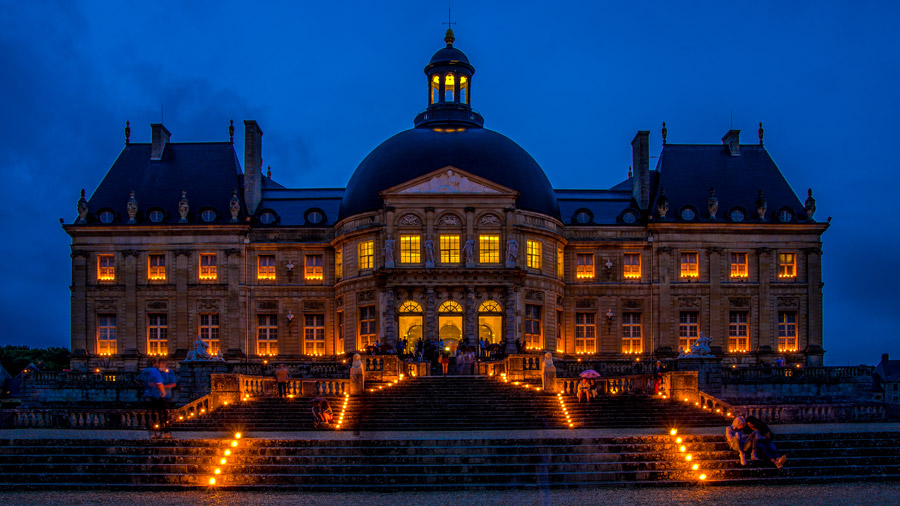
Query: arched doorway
[
  {"x": 409, "y": 324},
  {"x": 450, "y": 324},
  {"x": 490, "y": 322}
]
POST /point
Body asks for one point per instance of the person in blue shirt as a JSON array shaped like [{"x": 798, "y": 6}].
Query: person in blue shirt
[{"x": 156, "y": 379}]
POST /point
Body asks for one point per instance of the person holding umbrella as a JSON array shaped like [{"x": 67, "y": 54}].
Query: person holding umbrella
[{"x": 584, "y": 388}]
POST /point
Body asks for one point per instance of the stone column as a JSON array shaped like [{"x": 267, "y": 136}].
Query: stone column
[
  {"x": 666, "y": 322},
  {"x": 511, "y": 327},
  {"x": 390, "y": 327},
  {"x": 469, "y": 325},
  {"x": 132, "y": 338},
  {"x": 813, "y": 333},
  {"x": 764, "y": 320},
  {"x": 718, "y": 323},
  {"x": 185, "y": 335},
  {"x": 430, "y": 315},
  {"x": 233, "y": 324},
  {"x": 79, "y": 316}
]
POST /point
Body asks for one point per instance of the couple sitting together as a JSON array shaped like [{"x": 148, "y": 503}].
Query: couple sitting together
[{"x": 753, "y": 435}]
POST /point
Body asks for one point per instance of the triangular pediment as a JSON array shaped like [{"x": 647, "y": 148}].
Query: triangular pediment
[{"x": 449, "y": 180}]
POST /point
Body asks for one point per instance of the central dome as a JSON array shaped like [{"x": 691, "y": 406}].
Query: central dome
[
  {"x": 420, "y": 151},
  {"x": 449, "y": 133}
]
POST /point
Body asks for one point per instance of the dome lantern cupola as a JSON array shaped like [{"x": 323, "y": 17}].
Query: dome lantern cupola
[{"x": 449, "y": 76}]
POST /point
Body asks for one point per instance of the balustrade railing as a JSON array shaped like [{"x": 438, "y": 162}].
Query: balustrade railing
[
  {"x": 637, "y": 384},
  {"x": 606, "y": 368},
  {"x": 848, "y": 374}
]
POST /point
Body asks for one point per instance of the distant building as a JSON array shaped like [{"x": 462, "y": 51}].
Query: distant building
[
  {"x": 888, "y": 374},
  {"x": 447, "y": 230}
]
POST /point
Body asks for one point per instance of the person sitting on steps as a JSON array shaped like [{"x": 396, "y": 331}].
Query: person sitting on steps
[
  {"x": 762, "y": 439},
  {"x": 737, "y": 439},
  {"x": 584, "y": 389}
]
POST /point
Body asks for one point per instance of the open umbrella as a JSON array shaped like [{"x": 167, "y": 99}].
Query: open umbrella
[{"x": 590, "y": 373}]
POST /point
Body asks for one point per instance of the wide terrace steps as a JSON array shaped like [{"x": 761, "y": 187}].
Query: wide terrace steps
[{"x": 435, "y": 464}]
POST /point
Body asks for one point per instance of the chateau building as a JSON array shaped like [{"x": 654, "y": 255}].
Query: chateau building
[{"x": 445, "y": 231}]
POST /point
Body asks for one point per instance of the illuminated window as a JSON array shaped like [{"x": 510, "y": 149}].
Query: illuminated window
[
  {"x": 312, "y": 269},
  {"x": 366, "y": 255},
  {"x": 450, "y": 306},
  {"x": 560, "y": 267},
  {"x": 489, "y": 249},
  {"x": 106, "y": 268},
  {"x": 209, "y": 331},
  {"x": 463, "y": 90},
  {"x": 688, "y": 329},
  {"x": 448, "y": 87},
  {"x": 339, "y": 263},
  {"x": 560, "y": 337},
  {"x": 585, "y": 333},
  {"x": 410, "y": 250},
  {"x": 340, "y": 331},
  {"x": 690, "y": 266},
  {"x": 738, "y": 332},
  {"x": 435, "y": 95},
  {"x": 787, "y": 265},
  {"x": 208, "y": 269},
  {"x": 532, "y": 327},
  {"x": 157, "y": 334},
  {"x": 787, "y": 331},
  {"x": 632, "y": 266},
  {"x": 490, "y": 306},
  {"x": 265, "y": 267},
  {"x": 533, "y": 254},
  {"x": 267, "y": 334},
  {"x": 314, "y": 334},
  {"x": 156, "y": 268},
  {"x": 739, "y": 266},
  {"x": 106, "y": 334},
  {"x": 632, "y": 341},
  {"x": 584, "y": 266},
  {"x": 449, "y": 248},
  {"x": 367, "y": 325}
]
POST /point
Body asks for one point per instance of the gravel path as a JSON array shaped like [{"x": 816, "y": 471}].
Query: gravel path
[{"x": 868, "y": 494}]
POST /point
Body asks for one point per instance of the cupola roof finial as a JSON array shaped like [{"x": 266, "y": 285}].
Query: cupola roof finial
[{"x": 448, "y": 37}]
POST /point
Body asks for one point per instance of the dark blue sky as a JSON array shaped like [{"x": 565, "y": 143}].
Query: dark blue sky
[{"x": 571, "y": 82}]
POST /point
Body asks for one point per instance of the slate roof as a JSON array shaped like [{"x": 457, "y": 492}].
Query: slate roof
[
  {"x": 207, "y": 171},
  {"x": 889, "y": 370},
  {"x": 292, "y": 205},
  {"x": 605, "y": 206},
  {"x": 687, "y": 171}
]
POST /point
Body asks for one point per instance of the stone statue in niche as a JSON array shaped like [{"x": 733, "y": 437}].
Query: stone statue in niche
[
  {"x": 132, "y": 208},
  {"x": 82, "y": 209},
  {"x": 183, "y": 208},
  {"x": 388, "y": 252},
  {"x": 700, "y": 348},
  {"x": 469, "y": 253},
  {"x": 201, "y": 353},
  {"x": 512, "y": 252},
  {"x": 429, "y": 253},
  {"x": 234, "y": 206}
]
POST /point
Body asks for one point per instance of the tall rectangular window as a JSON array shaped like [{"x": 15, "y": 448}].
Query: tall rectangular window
[
  {"x": 585, "y": 333},
  {"x": 366, "y": 254},
  {"x": 157, "y": 334},
  {"x": 489, "y": 248},
  {"x": 787, "y": 265},
  {"x": 738, "y": 332},
  {"x": 106, "y": 268},
  {"x": 560, "y": 338},
  {"x": 690, "y": 265},
  {"x": 312, "y": 269},
  {"x": 106, "y": 334},
  {"x": 339, "y": 263},
  {"x": 787, "y": 331},
  {"x": 367, "y": 333},
  {"x": 265, "y": 269},
  {"x": 449, "y": 248},
  {"x": 410, "y": 249},
  {"x": 560, "y": 266},
  {"x": 739, "y": 265},
  {"x": 339, "y": 324},
  {"x": 584, "y": 266},
  {"x": 532, "y": 327},
  {"x": 267, "y": 335},
  {"x": 533, "y": 250},
  {"x": 632, "y": 266},
  {"x": 156, "y": 267},
  {"x": 632, "y": 336},
  {"x": 314, "y": 334},
  {"x": 688, "y": 329},
  {"x": 208, "y": 268},
  {"x": 209, "y": 331}
]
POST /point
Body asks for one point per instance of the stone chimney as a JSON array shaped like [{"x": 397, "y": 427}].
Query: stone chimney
[
  {"x": 158, "y": 139},
  {"x": 732, "y": 141},
  {"x": 640, "y": 160},
  {"x": 252, "y": 165}
]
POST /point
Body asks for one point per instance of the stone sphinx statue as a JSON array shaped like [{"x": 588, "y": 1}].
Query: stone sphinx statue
[
  {"x": 201, "y": 353},
  {"x": 357, "y": 362},
  {"x": 700, "y": 348},
  {"x": 548, "y": 360}
]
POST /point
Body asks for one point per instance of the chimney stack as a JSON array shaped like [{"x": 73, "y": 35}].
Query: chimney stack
[
  {"x": 158, "y": 139},
  {"x": 732, "y": 141},
  {"x": 252, "y": 165},
  {"x": 640, "y": 160}
]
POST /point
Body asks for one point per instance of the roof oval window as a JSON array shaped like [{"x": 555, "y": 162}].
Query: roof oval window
[
  {"x": 267, "y": 218},
  {"x": 315, "y": 216},
  {"x": 688, "y": 214},
  {"x": 785, "y": 215},
  {"x": 208, "y": 215},
  {"x": 736, "y": 215},
  {"x": 156, "y": 215},
  {"x": 583, "y": 216},
  {"x": 630, "y": 217},
  {"x": 107, "y": 216}
]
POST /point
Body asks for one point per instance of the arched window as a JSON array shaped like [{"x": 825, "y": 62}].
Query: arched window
[
  {"x": 490, "y": 306},
  {"x": 463, "y": 90},
  {"x": 449, "y": 84},
  {"x": 410, "y": 306},
  {"x": 450, "y": 306},
  {"x": 435, "y": 95}
]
